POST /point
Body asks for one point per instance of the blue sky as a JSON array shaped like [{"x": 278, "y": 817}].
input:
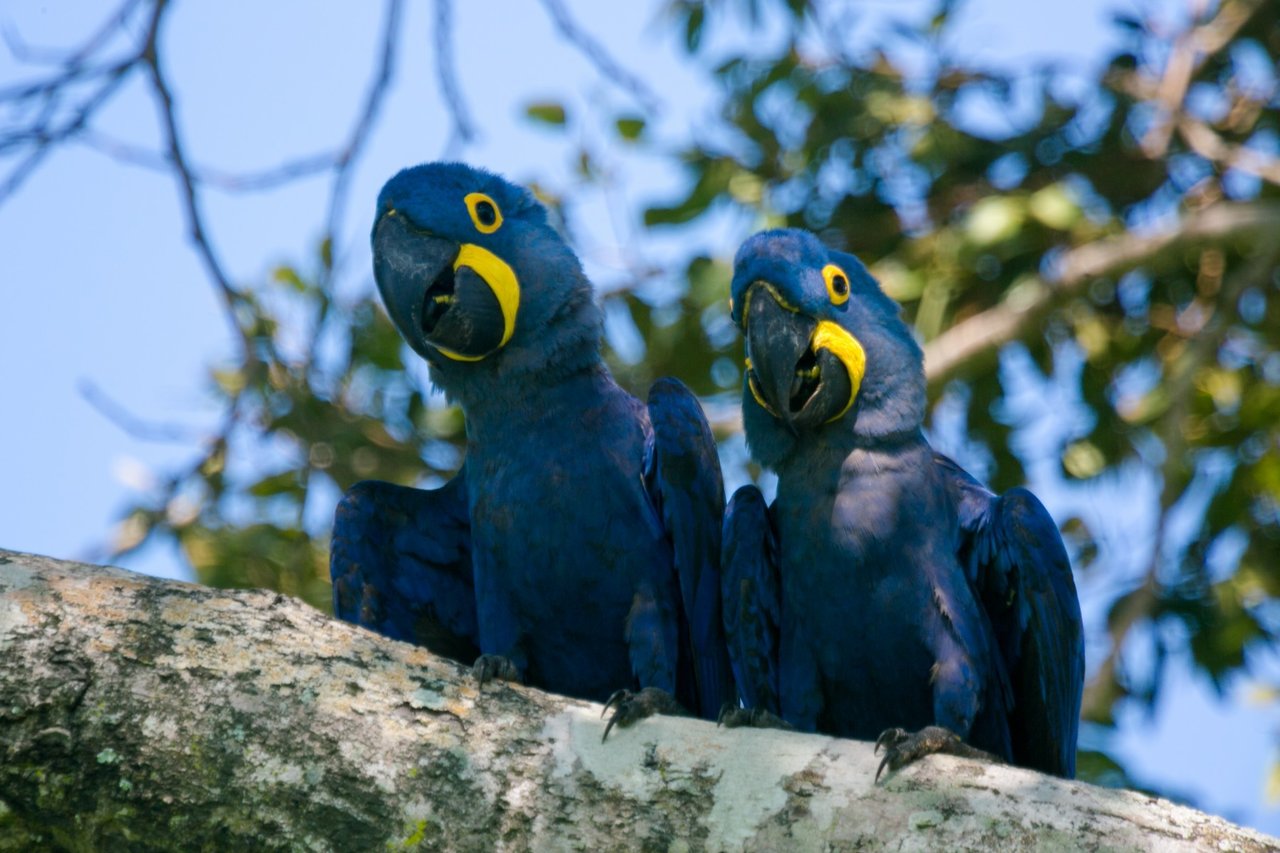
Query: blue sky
[{"x": 98, "y": 286}]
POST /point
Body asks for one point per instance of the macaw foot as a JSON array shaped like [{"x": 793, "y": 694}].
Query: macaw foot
[
  {"x": 494, "y": 668},
  {"x": 902, "y": 747},
  {"x": 629, "y": 707},
  {"x": 734, "y": 716}
]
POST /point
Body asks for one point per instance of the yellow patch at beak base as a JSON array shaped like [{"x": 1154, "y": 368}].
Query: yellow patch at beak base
[
  {"x": 844, "y": 346},
  {"x": 501, "y": 279}
]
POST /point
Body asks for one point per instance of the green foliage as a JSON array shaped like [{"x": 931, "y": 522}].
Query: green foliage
[
  {"x": 629, "y": 127},
  {"x": 546, "y": 112}
]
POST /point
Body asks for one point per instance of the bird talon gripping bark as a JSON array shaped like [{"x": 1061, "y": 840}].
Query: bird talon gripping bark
[
  {"x": 903, "y": 747},
  {"x": 629, "y": 708},
  {"x": 494, "y": 668},
  {"x": 890, "y": 738}
]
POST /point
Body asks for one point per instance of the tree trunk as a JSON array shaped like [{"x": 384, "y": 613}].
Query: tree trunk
[{"x": 145, "y": 714}]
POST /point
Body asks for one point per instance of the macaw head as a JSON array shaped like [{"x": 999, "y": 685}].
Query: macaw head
[
  {"x": 476, "y": 279},
  {"x": 827, "y": 352}
]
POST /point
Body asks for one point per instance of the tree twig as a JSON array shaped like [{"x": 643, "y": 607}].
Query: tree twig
[
  {"x": 364, "y": 124},
  {"x": 261, "y": 180},
  {"x": 75, "y": 59},
  {"x": 135, "y": 426},
  {"x": 463, "y": 131},
  {"x": 187, "y": 182},
  {"x": 1189, "y": 53},
  {"x": 596, "y": 54},
  {"x": 1201, "y": 139}
]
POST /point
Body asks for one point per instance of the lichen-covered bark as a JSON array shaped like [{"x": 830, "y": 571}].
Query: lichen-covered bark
[{"x": 143, "y": 714}]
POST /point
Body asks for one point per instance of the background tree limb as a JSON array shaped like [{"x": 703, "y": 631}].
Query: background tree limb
[
  {"x": 971, "y": 344},
  {"x": 151, "y": 714}
]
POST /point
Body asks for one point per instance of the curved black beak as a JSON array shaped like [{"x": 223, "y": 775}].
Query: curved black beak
[
  {"x": 801, "y": 385},
  {"x": 436, "y": 307},
  {"x": 777, "y": 341}
]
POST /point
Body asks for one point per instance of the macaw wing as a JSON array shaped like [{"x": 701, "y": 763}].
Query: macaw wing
[
  {"x": 682, "y": 477},
  {"x": 401, "y": 565},
  {"x": 752, "y": 598},
  {"x": 1018, "y": 567}
]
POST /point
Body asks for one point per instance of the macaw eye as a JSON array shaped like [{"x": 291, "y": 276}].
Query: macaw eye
[
  {"x": 837, "y": 284},
  {"x": 484, "y": 212}
]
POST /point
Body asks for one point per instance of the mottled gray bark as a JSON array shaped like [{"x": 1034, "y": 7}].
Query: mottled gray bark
[{"x": 141, "y": 714}]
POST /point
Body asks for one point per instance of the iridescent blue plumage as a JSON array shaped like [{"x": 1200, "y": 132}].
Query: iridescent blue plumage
[
  {"x": 902, "y": 593},
  {"x": 578, "y": 548}
]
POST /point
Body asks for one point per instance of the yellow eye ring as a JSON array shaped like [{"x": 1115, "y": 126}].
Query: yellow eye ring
[
  {"x": 484, "y": 212},
  {"x": 837, "y": 284}
]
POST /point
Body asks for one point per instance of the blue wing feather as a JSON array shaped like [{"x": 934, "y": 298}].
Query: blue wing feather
[
  {"x": 752, "y": 598},
  {"x": 682, "y": 476},
  {"x": 401, "y": 565},
  {"x": 1019, "y": 570}
]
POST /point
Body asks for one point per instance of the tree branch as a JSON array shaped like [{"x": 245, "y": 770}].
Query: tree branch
[
  {"x": 187, "y": 184},
  {"x": 150, "y": 714},
  {"x": 596, "y": 54},
  {"x": 1201, "y": 139},
  {"x": 261, "y": 180},
  {"x": 43, "y": 133},
  {"x": 136, "y": 427},
  {"x": 1191, "y": 49},
  {"x": 364, "y": 124},
  {"x": 446, "y": 76},
  {"x": 1024, "y": 309}
]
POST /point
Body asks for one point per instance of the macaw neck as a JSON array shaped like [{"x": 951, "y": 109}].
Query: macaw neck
[
  {"x": 887, "y": 408},
  {"x": 538, "y": 406},
  {"x": 861, "y": 511},
  {"x": 825, "y": 462}
]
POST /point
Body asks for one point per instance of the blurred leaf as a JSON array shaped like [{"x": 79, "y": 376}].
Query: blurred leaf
[
  {"x": 995, "y": 219},
  {"x": 285, "y": 481},
  {"x": 289, "y": 276},
  {"x": 1054, "y": 207},
  {"x": 630, "y": 127},
  {"x": 546, "y": 112},
  {"x": 693, "y": 27},
  {"x": 1083, "y": 459}
]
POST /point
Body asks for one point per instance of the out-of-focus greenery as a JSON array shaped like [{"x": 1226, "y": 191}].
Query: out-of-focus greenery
[{"x": 1130, "y": 219}]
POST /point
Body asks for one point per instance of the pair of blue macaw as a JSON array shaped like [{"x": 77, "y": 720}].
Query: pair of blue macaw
[{"x": 584, "y": 547}]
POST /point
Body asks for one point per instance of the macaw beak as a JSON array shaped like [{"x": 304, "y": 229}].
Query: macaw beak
[
  {"x": 802, "y": 371},
  {"x": 455, "y": 299}
]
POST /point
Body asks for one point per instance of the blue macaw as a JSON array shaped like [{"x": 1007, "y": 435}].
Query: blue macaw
[
  {"x": 578, "y": 548},
  {"x": 885, "y": 589}
]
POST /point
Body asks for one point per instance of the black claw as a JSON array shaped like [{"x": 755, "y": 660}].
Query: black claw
[
  {"x": 890, "y": 738},
  {"x": 608, "y": 727},
  {"x": 494, "y": 668},
  {"x": 630, "y": 707},
  {"x": 615, "y": 698}
]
